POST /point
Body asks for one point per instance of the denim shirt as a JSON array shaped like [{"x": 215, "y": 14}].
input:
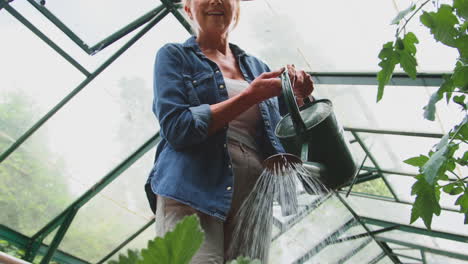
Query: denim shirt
[{"x": 190, "y": 166}]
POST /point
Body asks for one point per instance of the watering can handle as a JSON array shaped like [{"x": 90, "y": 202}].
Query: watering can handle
[{"x": 291, "y": 103}]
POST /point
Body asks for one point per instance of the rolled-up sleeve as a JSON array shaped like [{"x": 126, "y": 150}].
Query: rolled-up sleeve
[{"x": 182, "y": 124}]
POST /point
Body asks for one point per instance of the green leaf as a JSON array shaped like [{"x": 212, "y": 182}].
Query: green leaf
[
  {"x": 389, "y": 58},
  {"x": 461, "y": 44},
  {"x": 177, "y": 246},
  {"x": 452, "y": 189},
  {"x": 417, "y": 161},
  {"x": 461, "y": 8},
  {"x": 426, "y": 203},
  {"x": 460, "y": 99},
  {"x": 242, "y": 260},
  {"x": 442, "y": 24},
  {"x": 463, "y": 202},
  {"x": 132, "y": 257},
  {"x": 402, "y": 14},
  {"x": 460, "y": 76},
  {"x": 431, "y": 168},
  {"x": 407, "y": 51}
]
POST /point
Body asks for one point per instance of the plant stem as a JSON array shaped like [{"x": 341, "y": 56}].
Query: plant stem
[
  {"x": 414, "y": 13},
  {"x": 456, "y": 132}
]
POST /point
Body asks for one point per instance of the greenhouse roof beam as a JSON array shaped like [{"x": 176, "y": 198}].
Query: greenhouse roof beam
[
  {"x": 394, "y": 132},
  {"x": 354, "y": 251},
  {"x": 382, "y": 245},
  {"x": 389, "y": 199},
  {"x": 48, "y": 41},
  {"x": 416, "y": 230},
  {"x": 21, "y": 241},
  {"x": 383, "y": 230},
  {"x": 406, "y": 256},
  {"x": 370, "y": 78},
  {"x": 128, "y": 240},
  {"x": 325, "y": 242},
  {"x": 174, "y": 9},
  {"x": 377, "y": 258},
  {"x": 103, "y": 43},
  {"x": 374, "y": 161},
  {"x": 82, "y": 85},
  {"x": 426, "y": 249}
]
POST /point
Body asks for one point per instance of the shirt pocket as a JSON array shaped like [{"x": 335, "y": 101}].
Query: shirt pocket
[{"x": 199, "y": 88}]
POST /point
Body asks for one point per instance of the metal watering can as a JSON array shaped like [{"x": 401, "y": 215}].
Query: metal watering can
[{"x": 313, "y": 133}]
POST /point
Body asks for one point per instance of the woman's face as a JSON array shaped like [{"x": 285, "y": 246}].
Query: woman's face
[{"x": 212, "y": 16}]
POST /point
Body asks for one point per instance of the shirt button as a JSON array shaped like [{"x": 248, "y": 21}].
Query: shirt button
[
  {"x": 229, "y": 188},
  {"x": 230, "y": 166},
  {"x": 225, "y": 145},
  {"x": 194, "y": 82},
  {"x": 221, "y": 86},
  {"x": 217, "y": 71}
]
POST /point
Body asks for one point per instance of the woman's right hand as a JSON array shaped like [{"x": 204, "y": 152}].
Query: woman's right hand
[{"x": 265, "y": 86}]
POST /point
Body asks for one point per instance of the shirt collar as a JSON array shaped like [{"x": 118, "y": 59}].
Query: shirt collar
[{"x": 192, "y": 43}]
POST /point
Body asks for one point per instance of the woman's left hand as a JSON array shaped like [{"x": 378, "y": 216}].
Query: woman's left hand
[{"x": 301, "y": 82}]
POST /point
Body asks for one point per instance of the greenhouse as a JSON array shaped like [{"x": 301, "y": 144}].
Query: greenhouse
[{"x": 78, "y": 134}]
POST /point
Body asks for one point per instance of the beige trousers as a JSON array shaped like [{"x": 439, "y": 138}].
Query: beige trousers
[{"x": 246, "y": 164}]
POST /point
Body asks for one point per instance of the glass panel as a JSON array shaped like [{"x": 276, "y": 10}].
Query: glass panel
[
  {"x": 322, "y": 222},
  {"x": 95, "y": 131},
  {"x": 34, "y": 79},
  {"x": 140, "y": 242},
  {"x": 366, "y": 254},
  {"x": 425, "y": 241},
  {"x": 385, "y": 260},
  {"x": 415, "y": 253},
  {"x": 112, "y": 216},
  {"x": 351, "y": 40},
  {"x": 450, "y": 222},
  {"x": 374, "y": 187},
  {"x": 333, "y": 253},
  {"x": 433, "y": 258},
  {"x": 102, "y": 17},
  {"x": 260, "y": 34}
]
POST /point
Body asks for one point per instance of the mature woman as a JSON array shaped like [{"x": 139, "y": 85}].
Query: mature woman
[{"x": 217, "y": 108}]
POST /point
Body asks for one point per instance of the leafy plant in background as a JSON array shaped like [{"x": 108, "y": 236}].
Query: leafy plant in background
[
  {"x": 448, "y": 25},
  {"x": 176, "y": 247},
  {"x": 17, "y": 252}
]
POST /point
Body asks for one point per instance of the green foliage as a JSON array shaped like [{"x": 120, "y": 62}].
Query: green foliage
[
  {"x": 132, "y": 257},
  {"x": 427, "y": 201},
  {"x": 403, "y": 53},
  {"x": 178, "y": 246},
  {"x": 448, "y": 26}
]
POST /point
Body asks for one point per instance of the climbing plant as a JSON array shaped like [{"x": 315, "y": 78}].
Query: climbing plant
[{"x": 438, "y": 169}]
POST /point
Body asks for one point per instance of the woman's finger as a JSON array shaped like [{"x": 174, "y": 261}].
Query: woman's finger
[{"x": 272, "y": 74}]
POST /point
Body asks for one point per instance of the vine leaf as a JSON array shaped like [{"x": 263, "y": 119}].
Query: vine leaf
[
  {"x": 463, "y": 202},
  {"x": 132, "y": 257},
  {"x": 177, "y": 246},
  {"x": 452, "y": 189},
  {"x": 389, "y": 58},
  {"x": 460, "y": 100},
  {"x": 417, "y": 161},
  {"x": 460, "y": 76},
  {"x": 426, "y": 203},
  {"x": 461, "y": 44},
  {"x": 407, "y": 52},
  {"x": 431, "y": 168},
  {"x": 461, "y": 8},
  {"x": 402, "y": 14},
  {"x": 442, "y": 24}
]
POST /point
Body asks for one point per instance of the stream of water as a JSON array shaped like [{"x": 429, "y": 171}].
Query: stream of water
[{"x": 281, "y": 183}]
